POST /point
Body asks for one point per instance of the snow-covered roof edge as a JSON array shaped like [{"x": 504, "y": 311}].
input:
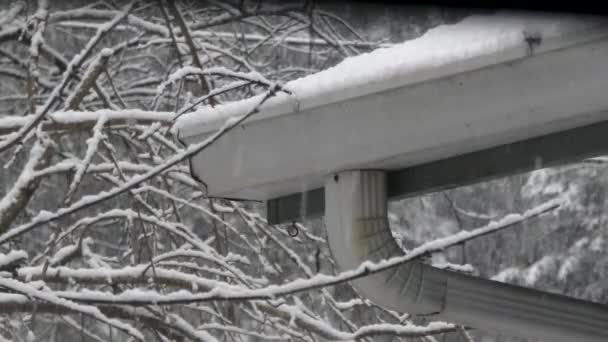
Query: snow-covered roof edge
[{"x": 473, "y": 43}]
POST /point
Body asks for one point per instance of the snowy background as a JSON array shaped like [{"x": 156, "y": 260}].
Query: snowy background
[{"x": 105, "y": 236}]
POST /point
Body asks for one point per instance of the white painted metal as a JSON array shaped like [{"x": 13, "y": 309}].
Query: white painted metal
[
  {"x": 356, "y": 212},
  {"x": 472, "y": 105}
]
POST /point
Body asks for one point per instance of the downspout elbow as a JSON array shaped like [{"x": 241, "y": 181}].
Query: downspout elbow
[{"x": 358, "y": 230}]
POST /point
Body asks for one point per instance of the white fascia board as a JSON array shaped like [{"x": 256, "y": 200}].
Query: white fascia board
[{"x": 457, "y": 89}]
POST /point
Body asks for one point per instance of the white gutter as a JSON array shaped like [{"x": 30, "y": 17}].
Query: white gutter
[
  {"x": 358, "y": 230},
  {"x": 457, "y": 89}
]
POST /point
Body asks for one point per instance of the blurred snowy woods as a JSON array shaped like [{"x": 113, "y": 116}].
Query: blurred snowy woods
[{"x": 105, "y": 236}]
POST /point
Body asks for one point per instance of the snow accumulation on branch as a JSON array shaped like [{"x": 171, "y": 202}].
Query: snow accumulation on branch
[
  {"x": 251, "y": 76},
  {"x": 140, "y": 274},
  {"x": 9, "y": 15},
  {"x": 92, "y": 145},
  {"x": 50, "y": 297},
  {"x": 226, "y": 291},
  {"x": 74, "y": 118},
  {"x": 90, "y": 200},
  {"x": 89, "y": 13},
  {"x": 218, "y": 290},
  {"x": 57, "y": 92},
  {"x": 433, "y": 328},
  {"x": 475, "y": 42},
  {"x": 19, "y": 194},
  {"x": 12, "y": 257}
]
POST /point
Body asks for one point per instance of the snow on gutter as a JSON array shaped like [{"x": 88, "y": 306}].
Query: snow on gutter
[{"x": 475, "y": 42}]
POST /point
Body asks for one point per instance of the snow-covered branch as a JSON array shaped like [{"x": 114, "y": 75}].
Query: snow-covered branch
[
  {"x": 103, "y": 226},
  {"x": 72, "y": 67},
  {"x": 238, "y": 293}
]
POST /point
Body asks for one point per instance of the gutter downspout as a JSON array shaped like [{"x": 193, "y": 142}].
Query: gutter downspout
[{"x": 358, "y": 230}]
